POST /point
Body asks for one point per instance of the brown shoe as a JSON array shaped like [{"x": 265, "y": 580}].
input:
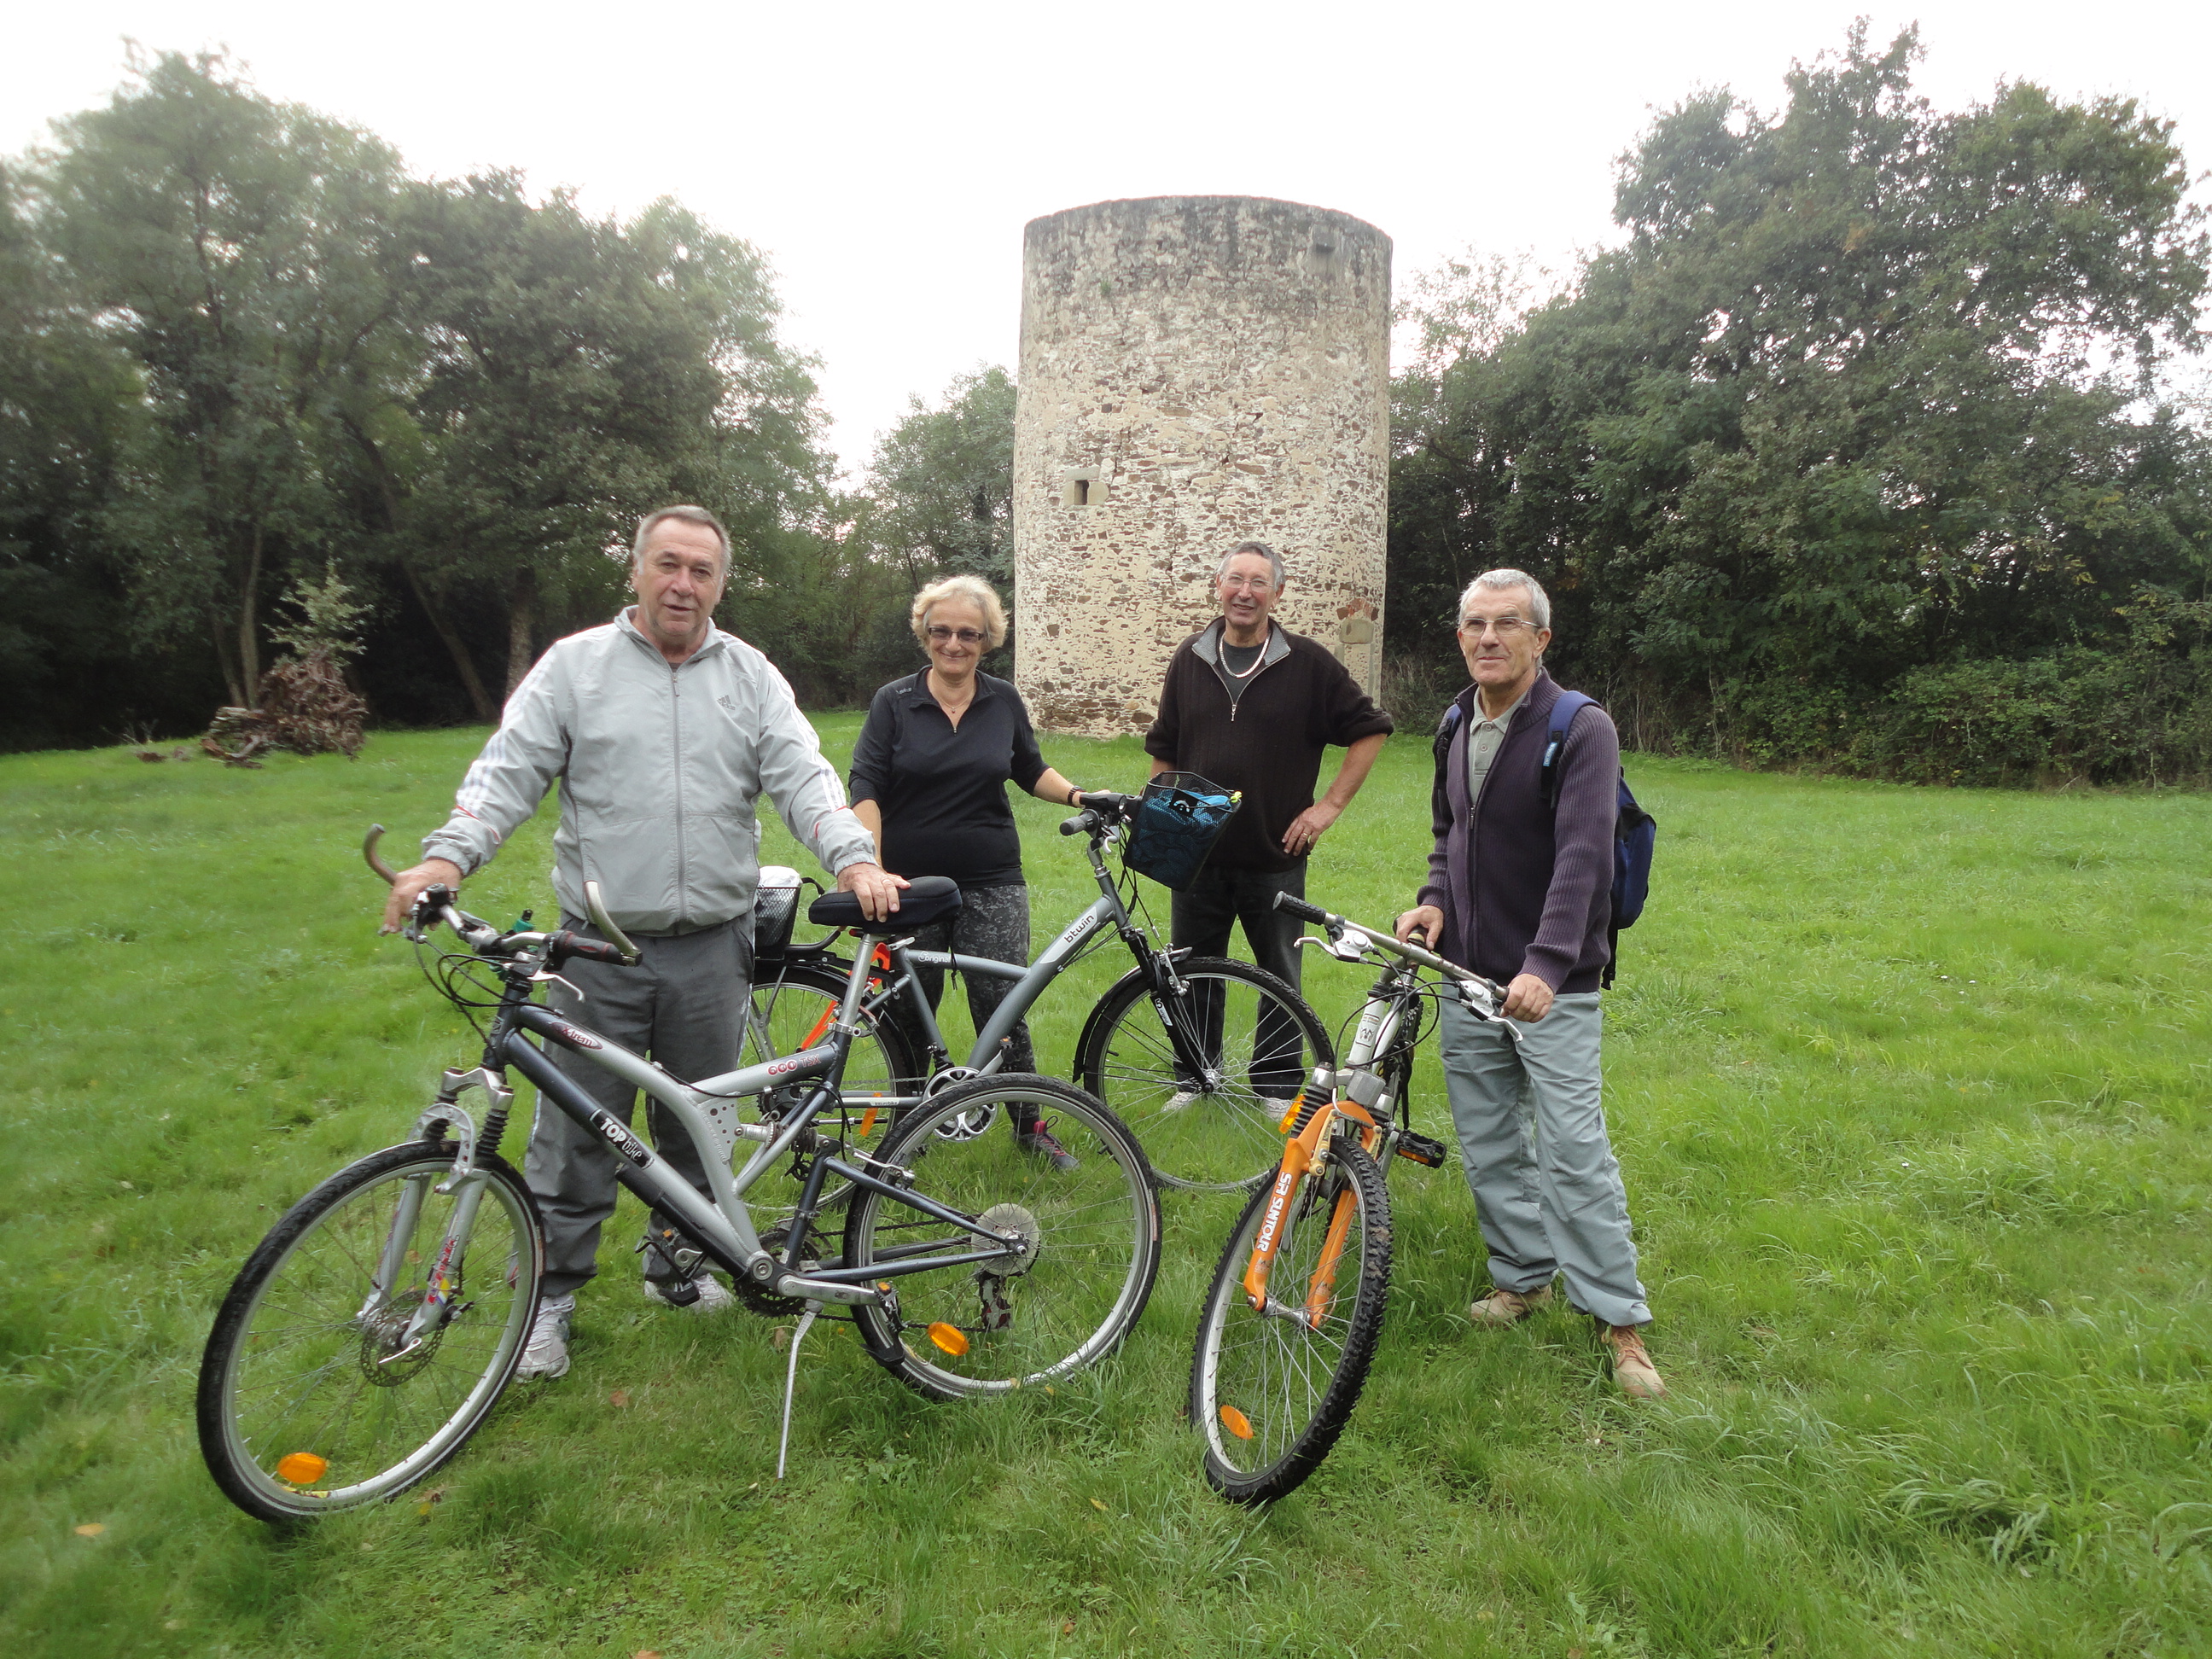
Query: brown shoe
[
  {"x": 1633, "y": 1373},
  {"x": 1509, "y": 1307}
]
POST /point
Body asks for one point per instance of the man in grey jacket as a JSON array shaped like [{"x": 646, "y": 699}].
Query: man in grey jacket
[{"x": 663, "y": 732}]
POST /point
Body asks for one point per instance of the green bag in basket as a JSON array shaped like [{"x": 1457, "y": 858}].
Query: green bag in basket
[{"x": 1178, "y": 818}]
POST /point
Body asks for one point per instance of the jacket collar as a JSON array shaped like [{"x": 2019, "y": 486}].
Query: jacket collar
[
  {"x": 1538, "y": 699},
  {"x": 1208, "y": 645},
  {"x": 625, "y": 623}
]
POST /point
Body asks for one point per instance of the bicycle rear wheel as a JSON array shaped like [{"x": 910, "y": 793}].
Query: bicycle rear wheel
[
  {"x": 1271, "y": 1391},
  {"x": 1057, "y": 1301},
  {"x": 308, "y": 1402},
  {"x": 1213, "y": 1127}
]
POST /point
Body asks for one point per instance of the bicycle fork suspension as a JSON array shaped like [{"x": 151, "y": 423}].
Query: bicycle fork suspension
[{"x": 1299, "y": 1156}]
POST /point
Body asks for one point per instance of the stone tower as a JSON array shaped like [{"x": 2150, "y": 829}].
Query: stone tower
[{"x": 1195, "y": 371}]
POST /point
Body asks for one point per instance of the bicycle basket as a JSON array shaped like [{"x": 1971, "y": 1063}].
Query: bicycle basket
[
  {"x": 1178, "y": 818},
  {"x": 775, "y": 906}
]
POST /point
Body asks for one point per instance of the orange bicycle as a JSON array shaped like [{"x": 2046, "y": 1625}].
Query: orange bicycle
[{"x": 1290, "y": 1321}]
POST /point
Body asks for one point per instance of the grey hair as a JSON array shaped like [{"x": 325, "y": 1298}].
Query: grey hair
[
  {"x": 684, "y": 514},
  {"x": 974, "y": 589},
  {"x": 1274, "y": 561},
  {"x": 1490, "y": 581}
]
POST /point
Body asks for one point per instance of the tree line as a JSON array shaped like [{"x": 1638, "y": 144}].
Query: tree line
[
  {"x": 1852, "y": 453},
  {"x": 244, "y": 353}
]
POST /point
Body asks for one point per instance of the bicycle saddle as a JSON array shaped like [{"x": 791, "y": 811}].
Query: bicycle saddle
[{"x": 930, "y": 899}]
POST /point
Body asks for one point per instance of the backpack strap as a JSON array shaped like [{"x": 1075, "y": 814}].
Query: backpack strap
[{"x": 1564, "y": 707}]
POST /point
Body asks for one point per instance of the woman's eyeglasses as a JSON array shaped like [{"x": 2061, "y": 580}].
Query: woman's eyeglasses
[{"x": 941, "y": 634}]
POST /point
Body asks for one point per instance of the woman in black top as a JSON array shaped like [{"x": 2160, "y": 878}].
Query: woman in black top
[{"x": 929, "y": 780}]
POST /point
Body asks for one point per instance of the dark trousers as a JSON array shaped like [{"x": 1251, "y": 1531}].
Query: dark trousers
[
  {"x": 1200, "y": 919},
  {"x": 683, "y": 1005},
  {"x": 994, "y": 923}
]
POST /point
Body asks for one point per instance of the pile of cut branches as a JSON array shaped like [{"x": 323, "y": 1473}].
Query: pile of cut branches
[{"x": 306, "y": 708}]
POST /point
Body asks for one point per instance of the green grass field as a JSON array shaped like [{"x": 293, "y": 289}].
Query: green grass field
[{"x": 1911, "y": 1088}]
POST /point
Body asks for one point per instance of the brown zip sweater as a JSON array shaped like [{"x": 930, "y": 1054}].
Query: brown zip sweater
[{"x": 1267, "y": 740}]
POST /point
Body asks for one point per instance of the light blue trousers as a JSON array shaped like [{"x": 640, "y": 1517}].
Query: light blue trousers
[{"x": 1531, "y": 1123}]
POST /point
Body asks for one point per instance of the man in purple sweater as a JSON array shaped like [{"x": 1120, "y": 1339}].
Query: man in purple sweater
[{"x": 1521, "y": 890}]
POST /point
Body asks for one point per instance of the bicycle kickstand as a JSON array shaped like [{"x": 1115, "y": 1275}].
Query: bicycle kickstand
[{"x": 790, "y": 1381}]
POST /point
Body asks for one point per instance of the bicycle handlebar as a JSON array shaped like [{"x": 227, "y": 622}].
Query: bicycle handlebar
[
  {"x": 1100, "y": 808},
  {"x": 1338, "y": 926}
]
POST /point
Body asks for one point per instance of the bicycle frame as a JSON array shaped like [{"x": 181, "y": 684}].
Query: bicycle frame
[
  {"x": 720, "y": 1222},
  {"x": 1358, "y": 1094},
  {"x": 1073, "y": 942}
]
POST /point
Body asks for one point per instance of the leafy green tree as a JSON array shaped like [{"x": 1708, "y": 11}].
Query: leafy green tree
[
  {"x": 1860, "y": 394},
  {"x": 939, "y": 490},
  {"x": 234, "y": 247},
  {"x": 578, "y": 375}
]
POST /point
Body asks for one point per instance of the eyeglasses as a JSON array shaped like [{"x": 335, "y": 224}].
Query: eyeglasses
[
  {"x": 1506, "y": 627},
  {"x": 1257, "y": 584},
  {"x": 941, "y": 634}
]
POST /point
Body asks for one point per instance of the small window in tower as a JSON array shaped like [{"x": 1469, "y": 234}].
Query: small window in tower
[{"x": 1082, "y": 486}]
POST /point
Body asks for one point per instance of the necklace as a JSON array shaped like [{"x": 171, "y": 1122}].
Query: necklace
[{"x": 1259, "y": 655}]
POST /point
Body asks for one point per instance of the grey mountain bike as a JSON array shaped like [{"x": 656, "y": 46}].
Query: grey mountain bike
[
  {"x": 1200, "y": 1057},
  {"x": 374, "y": 1328}
]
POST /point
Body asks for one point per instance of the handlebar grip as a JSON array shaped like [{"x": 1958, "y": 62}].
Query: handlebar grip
[
  {"x": 1292, "y": 905},
  {"x": 1081, "y": 824},
  {"x": 567, "y": 944}
]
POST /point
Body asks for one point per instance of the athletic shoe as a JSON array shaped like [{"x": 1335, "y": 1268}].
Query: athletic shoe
[
  {"x": 1038, "y": 1138},
  {"x": 1181, "y": 1099},
  {"x": 701, "y": 1294},
  {"x": 1509, "y": 1307},
  {"x": 547, "y": 1354},
  {"x": 1633, "y": 1373}
]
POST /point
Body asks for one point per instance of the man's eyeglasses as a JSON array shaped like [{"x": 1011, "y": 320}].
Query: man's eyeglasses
[
  {"x": 1257, "y": 584},
  {"x": 1506, "y": 627},
  {"x": 941, "y": 634}
]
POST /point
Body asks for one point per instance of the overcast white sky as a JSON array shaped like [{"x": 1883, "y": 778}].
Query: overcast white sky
[{"x": 885, "y": 156}]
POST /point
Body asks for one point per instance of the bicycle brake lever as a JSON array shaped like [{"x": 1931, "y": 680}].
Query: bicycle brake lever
[{"x": 544, "y": 974}]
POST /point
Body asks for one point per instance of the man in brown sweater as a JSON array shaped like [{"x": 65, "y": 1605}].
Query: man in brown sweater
[{"x": 1250, "y": 705}]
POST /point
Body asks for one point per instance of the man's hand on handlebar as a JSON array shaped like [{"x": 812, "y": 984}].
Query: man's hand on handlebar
[
  {"x": 409, "y": 886},
  {"x": 875, "y": 888},
  {"x": 1423, "y": 925},
  {"x": 1527, "y": 998}
]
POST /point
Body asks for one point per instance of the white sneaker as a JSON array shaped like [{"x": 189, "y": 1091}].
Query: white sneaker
[
  {"x": 1181, "y": 1099},
  {"x": 547, "y": 1354},
  {"x": 713, "y": 1295}
]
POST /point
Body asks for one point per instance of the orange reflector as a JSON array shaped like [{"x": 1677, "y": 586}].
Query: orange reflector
[
  {"x": 951, "y": 1338},
  {"x": 302, "y": 1468},
  {"x": 1236, "y": 1422},
  {"x": 1291, "y": 1116},
  {"x": 868, "y": 1121}
]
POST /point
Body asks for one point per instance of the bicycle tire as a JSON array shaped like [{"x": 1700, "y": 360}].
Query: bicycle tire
[
  {"x": 292, "y": 1365},
  {"x": 1094, "y": 1246},
  {"x": 1292, "y": 1386},
  {"x": 1222, "y": 1139}
]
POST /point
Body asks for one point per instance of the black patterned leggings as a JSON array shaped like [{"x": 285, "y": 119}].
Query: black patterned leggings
[{"x": 994, "y": 923}]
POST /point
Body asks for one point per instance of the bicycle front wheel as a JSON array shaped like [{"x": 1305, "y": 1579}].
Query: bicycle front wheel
[
  {"x": 1209, "y": 1118},
  {"x": 310, "y": 1398},
  {"x": 1087, "y": 1241},
  {"x": 1273, "y": 1390}
]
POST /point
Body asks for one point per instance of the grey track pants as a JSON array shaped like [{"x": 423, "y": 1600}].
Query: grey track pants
[
  {"x": 683, "y": 1005},
  {"x": 1547, "y": 1188}
]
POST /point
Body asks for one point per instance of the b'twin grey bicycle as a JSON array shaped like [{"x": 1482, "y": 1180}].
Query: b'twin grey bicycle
[
  {"x": 372, "y": 1330},
  {"x": 1200, "y": 1056}
]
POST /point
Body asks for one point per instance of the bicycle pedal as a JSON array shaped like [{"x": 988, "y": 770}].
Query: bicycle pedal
[{"x": 1430, "y": 1154}]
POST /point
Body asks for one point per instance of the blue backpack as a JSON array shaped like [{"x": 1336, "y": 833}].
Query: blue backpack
[{"x": 1635, "y": 831}]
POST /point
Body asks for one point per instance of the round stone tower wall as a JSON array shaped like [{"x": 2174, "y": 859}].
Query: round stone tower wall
[{"x": 1196, "y": 371}]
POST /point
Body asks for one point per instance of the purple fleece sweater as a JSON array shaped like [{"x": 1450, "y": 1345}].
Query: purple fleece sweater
[{"x": 1539, "y": 899}]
